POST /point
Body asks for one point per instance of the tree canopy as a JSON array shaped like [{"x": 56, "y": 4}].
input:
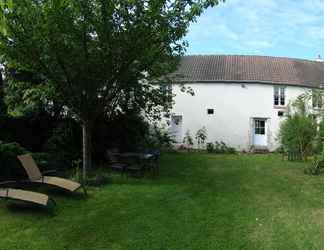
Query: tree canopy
[{"x": 98, "y": 56}]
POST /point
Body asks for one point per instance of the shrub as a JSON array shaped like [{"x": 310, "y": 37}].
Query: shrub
[
  {"x": 31, "y": 132},
  {"x": 187, "y": 140},
  {"x": 158, "y": 138},
  {"x": 10, "y": 166},
  {"x": 46, "y": 161},
  {"x": 319, "y": 139},
  {"x": 210, "y": 147},
  {"x": 220, "y": 148},
  {"x": 65, "y": 143},
  {"x": 127, "y": 132},
  {"x": 297, "y": 134},
  {"x": 316, "y": 165},
  {"x": 201, "y": 136}
]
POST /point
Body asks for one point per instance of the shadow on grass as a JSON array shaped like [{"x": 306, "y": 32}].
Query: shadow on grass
[{"x": 30, "y": 209}]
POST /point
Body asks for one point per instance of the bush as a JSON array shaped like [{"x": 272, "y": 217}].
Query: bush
[
  {"x": 187, "y": 140},
  {"x": 66, "y": 142},
  {"x": 201, "y": 136},
  {"x": 127, "y": 132},
  {"x": 158, "y": 138},
  {"x": 210, "y": 147},
  {"x": 31, "y": 132},
  {"x": 319, "y": 139},
  {"x": 10, "y": 165},
  {"x": 316, "y": 165},
  {"x": 61, "y": 139},
  {"x": 47, "y": 161},
  {"x": 297, "y": 134},
  {"x": 299, "y": 131},
  {"x": 220, "y": 148}
]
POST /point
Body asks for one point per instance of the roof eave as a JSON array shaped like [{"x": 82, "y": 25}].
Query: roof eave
[{"x": 250, "y": 82}]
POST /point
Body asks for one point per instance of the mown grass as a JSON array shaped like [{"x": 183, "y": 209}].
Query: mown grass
[{"x": 200, "y": 201}]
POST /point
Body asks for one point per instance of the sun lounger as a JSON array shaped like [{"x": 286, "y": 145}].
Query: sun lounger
[
  {"x": 35, "y": 176},
  {"x": 27, "y": 197}
]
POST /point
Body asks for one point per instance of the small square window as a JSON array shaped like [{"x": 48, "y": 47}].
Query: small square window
[
  {"x": 281, "y": 113},
  {"x": 210, "y": 111}
]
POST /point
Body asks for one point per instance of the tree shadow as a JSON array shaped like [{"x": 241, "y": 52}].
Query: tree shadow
[{"x": 24, "y": 208}]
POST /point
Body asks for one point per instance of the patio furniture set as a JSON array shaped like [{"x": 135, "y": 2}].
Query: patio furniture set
[
  {"x": 36, "y": 177},
  {"x": 130, "y": 163},
  {"x": 125, "y": 163}
]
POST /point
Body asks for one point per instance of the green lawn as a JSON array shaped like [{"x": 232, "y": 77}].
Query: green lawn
[{"x": 200, "y": 201}]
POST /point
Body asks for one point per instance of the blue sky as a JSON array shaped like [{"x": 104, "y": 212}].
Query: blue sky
[{"x": 289, "y": 28}]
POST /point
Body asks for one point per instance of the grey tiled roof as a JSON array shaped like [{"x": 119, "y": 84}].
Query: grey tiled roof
[{"x": 256, "y": 69}]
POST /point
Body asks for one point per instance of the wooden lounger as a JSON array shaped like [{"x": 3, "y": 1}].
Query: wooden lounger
[
  {"x": 27, "y": 197},
  {"x": 35, "y": 176}
]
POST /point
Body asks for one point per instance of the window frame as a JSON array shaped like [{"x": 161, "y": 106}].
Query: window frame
[
  {"x": 279, "y": 96},
  {"x": 258, "y": 128},
  {"x": 212, "y": 111}
]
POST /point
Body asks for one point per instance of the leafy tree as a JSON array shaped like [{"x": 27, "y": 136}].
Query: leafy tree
[
  {"x": 297, "y": 133},
  {"x": 99, "y": 57},
  {"x": 3, "y": 107}
]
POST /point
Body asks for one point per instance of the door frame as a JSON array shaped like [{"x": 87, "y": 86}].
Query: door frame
[
  {"x": 177, "y": 137},
  {"x": 267, "y": 131}
]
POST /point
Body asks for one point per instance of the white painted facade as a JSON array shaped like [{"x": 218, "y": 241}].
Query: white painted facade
[{"x": 236, "y": 107}]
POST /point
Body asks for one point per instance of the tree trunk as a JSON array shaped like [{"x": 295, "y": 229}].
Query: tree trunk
[
  {"x": 3, "y": 108},
  {"x": 87, "y": 133}
]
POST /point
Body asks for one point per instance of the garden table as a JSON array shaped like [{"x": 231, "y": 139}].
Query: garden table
[{"x": 146, "y": 160}]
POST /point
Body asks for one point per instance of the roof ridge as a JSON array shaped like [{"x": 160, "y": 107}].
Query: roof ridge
[{"x": 251, "y": 56}]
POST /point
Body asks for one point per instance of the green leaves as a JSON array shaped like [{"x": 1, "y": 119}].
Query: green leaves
[
  {"x": 99, "y": 57},
  {"x": 297, "y": 133},
  {"x": 100, "y": 47}
]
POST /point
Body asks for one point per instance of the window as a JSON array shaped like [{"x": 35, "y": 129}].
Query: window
[
  {"x": 259, "y": 127},
  {"x": 317, "y": 99},
  {"x": 210, "y": 111},
  {"x": 176, "y": 119},
  {"x": 281, "y": 113},
  {"x": 279, "y": 96}
]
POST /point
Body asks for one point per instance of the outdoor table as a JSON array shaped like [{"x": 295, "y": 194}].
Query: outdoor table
[
  {"x": 136, "y": 155},
  {"x": 146, "y": 160}
]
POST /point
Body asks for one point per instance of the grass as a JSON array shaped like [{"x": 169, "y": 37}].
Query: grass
[{"x": 200, "y": 201}]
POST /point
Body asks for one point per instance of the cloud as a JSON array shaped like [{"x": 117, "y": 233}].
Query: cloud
[{"x": 260, "y": 26}]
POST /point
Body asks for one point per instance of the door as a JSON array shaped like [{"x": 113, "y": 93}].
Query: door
[
  {"x": 176, "y": 128},
  {"x": 260, "y": 132}
]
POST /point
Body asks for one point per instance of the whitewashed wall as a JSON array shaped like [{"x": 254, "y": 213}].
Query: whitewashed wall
[{"x": 234, "y": 106}]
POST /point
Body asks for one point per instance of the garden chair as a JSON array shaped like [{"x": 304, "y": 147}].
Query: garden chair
[
  {"x": 156, "y": 162},
  {"x": 126, "y": 163},
  {"x": 136, "y": 170},
  {"x": 29, "y": 197},
  {"x": 35, "y": 176},
  {"x": 116, "y": 164}
]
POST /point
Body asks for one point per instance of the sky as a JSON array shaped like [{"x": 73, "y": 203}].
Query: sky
[{"x": 286, "y": 28}]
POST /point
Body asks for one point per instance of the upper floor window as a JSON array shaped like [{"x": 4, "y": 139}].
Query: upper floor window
[
  {"x": 210, "y": 111},
  {"x": 166, "y": 88},
  {"x": 279, "y": 96},
  {"x": 317, "y": 99}
]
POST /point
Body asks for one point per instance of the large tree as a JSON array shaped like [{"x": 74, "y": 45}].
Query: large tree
[{"x": 98, "y": 56}]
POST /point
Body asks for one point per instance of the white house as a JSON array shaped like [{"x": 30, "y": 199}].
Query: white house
[{"x": 241, "y": 100}]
